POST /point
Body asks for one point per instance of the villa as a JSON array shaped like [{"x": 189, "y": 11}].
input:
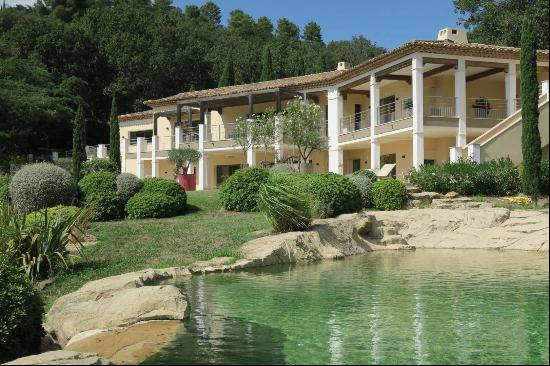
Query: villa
[{"x": 424, "y": 102}]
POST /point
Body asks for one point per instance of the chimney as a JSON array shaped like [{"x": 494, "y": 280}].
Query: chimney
[
  {"x": 452, "y": 35},
  {"x": 342, "y": 66}
]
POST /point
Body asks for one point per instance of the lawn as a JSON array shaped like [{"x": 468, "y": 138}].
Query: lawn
[{"x": 131, "y": 245}]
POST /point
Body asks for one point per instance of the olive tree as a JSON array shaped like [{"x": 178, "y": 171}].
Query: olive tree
[
  {"x": 183, "y": 158},
  {"x": 242, "y": 134},
  {"x": 263, "y": 130},
  {"x": 303, "y": 128}
]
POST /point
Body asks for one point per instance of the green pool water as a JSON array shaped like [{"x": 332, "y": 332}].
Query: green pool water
[{"x": 421, "y": 307}]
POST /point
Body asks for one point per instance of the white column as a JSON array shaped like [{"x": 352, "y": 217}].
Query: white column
[
  {"x": 251, "y": 152},
  {"x": 278, "y": 143},
  {"x": 374, "y": 106},
  {"x": 474, "y": 153},
  {"x": 139, "y": 162},
  {"x": 101, "y": 151},
  {"x": 154, "y": 161},
  {"x": 124, "y": 143},
  {"x": 418, "y": 111},
  {"x": 455, "y": 153},
  {"x": 510, "y": 86},
  {"x": 203, "y": 166},
  {"x": 460, "y": 100},
  {"x": 335, "y": 114},
  {"x": 191, "y": 168},
  {"x": 55, "y": 155},
  {"x": 177, "y": 137},
  {"x": 545, "y": 88}
]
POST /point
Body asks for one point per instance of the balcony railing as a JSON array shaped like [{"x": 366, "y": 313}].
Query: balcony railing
[
  {"x": 190, "y": 134},
  {"x": 395, "y": 111},
  {"x": 481, "y": 108},
  {"x": 221, "y": 132},
  {"x": 436, "y": 106},
  {"x": 355, "y": 122}
]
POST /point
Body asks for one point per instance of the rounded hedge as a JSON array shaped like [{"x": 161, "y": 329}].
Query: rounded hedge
[
  {"x": 98, "y": 191},
  {"x": 364, "y": 185},
  {"x": 330, "y": 194},
  {"x": 240, "y": 191},
  {"x": 21, "y": 315},
  {"x": 97, "y": 182},
  {"x": 167, "y": 187},
  {"x": 127, "y": 185},
  {"x": 54, "y": 213},
  {"x": 389, "y": 194},
  {"x": 144, "y": 205},
  {"x": 98, "y": 165},
  {"x": 36, "y": 186},
  {"x": 4, "y": 188}
]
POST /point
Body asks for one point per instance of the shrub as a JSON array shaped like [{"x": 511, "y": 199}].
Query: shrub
[
  {"x": 167, "y": 187},
  {"x": 240, "y": 191},
  {"x": 145, "y": 205},
  {"x": 368, "y": 173},
  {"x": 127, "y": 185},
  {"x": 491, "y": 178},
  {"x": 36, "y": 186},
  {"x": 54, "y": 213},
  {"x": 283, "y": 168},
  {"x": 286, "y": 208},
  {"x": 4, "y": 188},
  {"x": 544, "y": 178},
  {"x": 21, "y": 315},
  {"x": 330, "y": 194},
  {"x": 65, "y": 163},
  {"x": 389, "y": 194},
  {"x": 98, "y": 165},
  {"x": 98, "y": 191},
  {"x": 364, "y": 185}
]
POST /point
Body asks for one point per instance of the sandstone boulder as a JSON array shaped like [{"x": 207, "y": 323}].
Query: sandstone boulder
[
  {"x": 451, "y": 195},
  {"x": 116, "y": 301},
  {"x": 61, "y": 358}
]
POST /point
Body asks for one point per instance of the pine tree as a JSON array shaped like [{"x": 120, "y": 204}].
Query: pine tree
[
  {"x": 267, "y": 65},
  {"x": 114, "y": 141},
  {"x": 530, "y": 136},
  {"x": 320, "y": 63},
  {"x": 79, "y": 141},
  {"x": 228, "y": 74}
]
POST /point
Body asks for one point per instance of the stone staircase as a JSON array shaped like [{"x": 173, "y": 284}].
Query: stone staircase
[
  {"x": 385, "y": 233},
  {"x": 451, "y": 200}
]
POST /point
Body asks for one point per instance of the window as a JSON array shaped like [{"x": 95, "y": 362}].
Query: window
[
  {"x": 357, "y": 112},
  {"x": 355, "y": 165},
  {"x": 146, "y": 134},
  {"x": 429, "y": 162}
]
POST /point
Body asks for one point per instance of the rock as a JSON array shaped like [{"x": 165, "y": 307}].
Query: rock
[
  {"x": 47, "y": 343},
  {"x": 217, "y": 264},
  {"x": 61, "y": 358},
  {"x": 451, "y": 195},
  {"x": 117, "y": 301},
  {"x": 131, "y": 345},
  {"x": 425, "y": 196}
]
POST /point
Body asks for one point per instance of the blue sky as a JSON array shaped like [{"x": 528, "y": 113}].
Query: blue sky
[{"x": 388, "y": 23}]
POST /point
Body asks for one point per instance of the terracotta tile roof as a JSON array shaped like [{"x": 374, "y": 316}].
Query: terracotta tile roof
[
  {"x": 135, "y": 116},
  {"x": 333, "y": 77}
]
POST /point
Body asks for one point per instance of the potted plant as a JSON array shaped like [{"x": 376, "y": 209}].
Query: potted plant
[
  {"x": 481, "y": 107},
  {"x": 182, "y": 160}
]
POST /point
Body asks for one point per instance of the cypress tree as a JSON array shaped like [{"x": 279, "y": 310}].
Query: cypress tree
[
  {"x": 79, "y": 141},
  {"x": 114, "y": 137},
  {"x": 228, "y": 74},
  {"x": 267, "y": 65},
  {"x": 530, "y": 135}
]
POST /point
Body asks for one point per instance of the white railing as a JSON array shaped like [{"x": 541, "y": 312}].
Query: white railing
[
  {"x": 355, "y": 122},
  {"x": 190, "y": 134},
  {"x": 395, "y": 111},
  {"x": 482, "y": 108},
  {"x": 221, "y": 132},
  {"x": 436, "y": 106}
]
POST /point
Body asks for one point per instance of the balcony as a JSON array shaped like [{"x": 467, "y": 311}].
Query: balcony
[
  {"x": 223, "y": 132},
  {"x": 395, "y": 111},
  {"x": 486, "y": 109},
  {"x": 440, "y": 107},
  {"x": 355, "y": 122}
]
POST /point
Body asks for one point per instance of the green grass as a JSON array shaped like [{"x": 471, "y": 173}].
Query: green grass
[{"x": 131, "y": 245}]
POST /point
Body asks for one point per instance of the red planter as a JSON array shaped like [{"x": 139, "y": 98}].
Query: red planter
[{"x": 187, "y": 181}]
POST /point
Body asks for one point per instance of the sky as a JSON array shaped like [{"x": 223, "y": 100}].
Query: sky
[{"x": 388, "y": 23}]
